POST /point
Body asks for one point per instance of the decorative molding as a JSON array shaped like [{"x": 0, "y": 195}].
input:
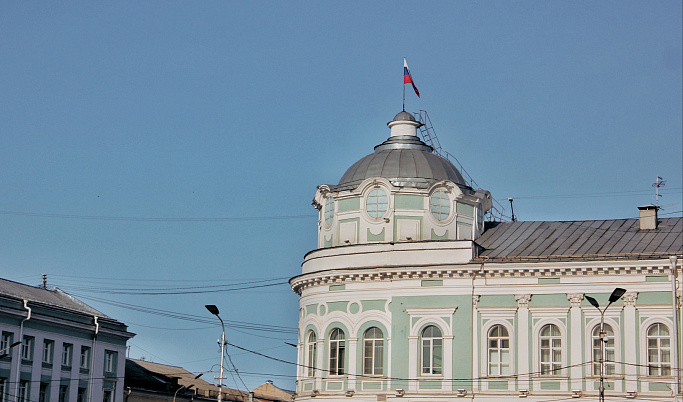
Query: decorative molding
[
  {"x": 475, "y": 300},
  {"x": 630, "y": 299},
  {"x": 523, "y": 300},
  {"x": 465, "y": 271},
  {"x": 575, "y": 299}
]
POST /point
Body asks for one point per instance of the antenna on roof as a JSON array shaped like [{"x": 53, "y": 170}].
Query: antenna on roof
[
  {"x": 657, "y": 184},
  {"x": 44, "y": 281},
  {"x": 512, "y": 208}
]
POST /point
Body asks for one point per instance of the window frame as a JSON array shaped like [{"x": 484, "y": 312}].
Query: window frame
[
  {"x": 595, "y": 350},
  {"x": 431, "y": 344},
  {"x": 85, "y": 357},
  {"x": 27, "y": 347},
  {"x": 508, "y": 350},
  {"x": 553, "y": 372},
  {"x": 372, "y": 199},
  {"x": 311, "y": 353},
  {"x": 3, "y": 388},
  {"x": 48, "y": 355},
  {"x": 63, "y": 393},
  {"x": 23, "y": 394},
  {"x": 328, "y": 211},
  {"x": 110, "y": 357},
  {"x": 660, "y": 367},
  {"x": 373, "y": 352},
  {"x": 337, "y": 352},
  {"x": 67, "y": 354},
  {"x": 443, "y": 195},
  {"x": 6, "y": 339}
]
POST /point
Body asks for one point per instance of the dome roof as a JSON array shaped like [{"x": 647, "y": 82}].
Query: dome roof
[{"x": 404, "y": 160}]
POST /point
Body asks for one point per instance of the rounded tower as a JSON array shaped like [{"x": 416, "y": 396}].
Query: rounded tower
[{"x": 389, "y": 231}]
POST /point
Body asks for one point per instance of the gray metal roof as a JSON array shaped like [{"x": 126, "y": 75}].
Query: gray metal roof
[
  {"x": 619, "y": 238},
  {"x": 406, "y": 161},
  {"x": 50, "y": 297}
]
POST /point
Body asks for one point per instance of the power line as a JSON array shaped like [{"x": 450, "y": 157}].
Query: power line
[{"x": 155, "y": 219}]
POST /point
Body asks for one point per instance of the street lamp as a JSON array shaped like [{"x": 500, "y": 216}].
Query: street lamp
[
  {"x": 214, "y": 310},
  {"x": 5, "y": 351},
  {"x": 183, "y": 387},
  {"x": 616, "y": 295}
]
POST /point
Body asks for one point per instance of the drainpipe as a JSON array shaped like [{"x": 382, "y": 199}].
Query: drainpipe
[
  {"x": 674, "y": 275},
  {"x": 21, "y": 338},
  {"x": 91, "y": 376}
]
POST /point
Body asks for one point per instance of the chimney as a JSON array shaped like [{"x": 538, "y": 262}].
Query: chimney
[{"x": 648, "y": 217}]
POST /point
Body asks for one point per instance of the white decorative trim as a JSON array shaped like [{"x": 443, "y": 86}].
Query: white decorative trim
[
  {"x": 523, "y": 300},
  {"x": 475, "y": 300},
  {"x": 588, "y": 333},
  {"x": 630, "y": 299},
  {"x": 467, "y": 271},
  {"x": 536, "y": 333},
  {"x": 484, "y": 346},
  {"x": 575, "y": 299}
]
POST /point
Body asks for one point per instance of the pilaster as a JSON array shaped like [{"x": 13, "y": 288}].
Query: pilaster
[
  {"x": 630, "y": 341},
  {"x": 575, "y": 357},
  {"x": 523, "y": 352}
]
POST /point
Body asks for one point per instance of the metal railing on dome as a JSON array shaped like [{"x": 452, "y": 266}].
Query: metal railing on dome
[{"x": 430, "y": 138}]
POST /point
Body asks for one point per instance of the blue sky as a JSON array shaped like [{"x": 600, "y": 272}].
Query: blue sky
[{"x": 121, "y": 122}]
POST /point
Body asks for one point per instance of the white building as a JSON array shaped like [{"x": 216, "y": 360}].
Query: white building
[
  {"x": 54, "y": 348},
  {"x": 411, "y": 295}
]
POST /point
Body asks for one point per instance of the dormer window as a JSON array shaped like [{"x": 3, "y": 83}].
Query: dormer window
[{"x": 377, "y": 203}]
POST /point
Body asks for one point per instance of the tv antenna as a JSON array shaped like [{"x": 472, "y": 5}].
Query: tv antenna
[{"x": 657, "y": 184}]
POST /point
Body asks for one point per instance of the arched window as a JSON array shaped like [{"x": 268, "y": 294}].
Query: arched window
[
  {"x": 551, "y": 350},
  {"x": 440, "y": 205},
  {"x": 311, "y": 353},
  {"x": 610, "y": 368},
  {"x": 329, "y": 210},
  {"x": 658, "y": 350},
  {"x": 377, "y": 203},
  {"x": 373, "y": 352},
  {"x": 499, "y": 350},
  {"x": 432, "y": 350},
  {"x": 337, "y": 351}
]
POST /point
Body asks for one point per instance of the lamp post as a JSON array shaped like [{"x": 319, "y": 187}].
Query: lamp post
[
  {"x": 183, "y": 387},
  {"x": 214, "y": 310},
  {"x": 5, "y": 352},
  {"x": 616, "y": 295}
]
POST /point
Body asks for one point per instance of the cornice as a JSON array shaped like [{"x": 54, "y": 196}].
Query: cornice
[{"x": 388, "y": 274}]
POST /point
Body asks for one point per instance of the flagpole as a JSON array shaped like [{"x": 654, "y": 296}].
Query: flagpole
[
  {"x": 404, "y": 89},
  {"x": 404, "y": 97}
]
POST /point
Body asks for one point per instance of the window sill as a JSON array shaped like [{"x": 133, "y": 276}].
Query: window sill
[{"x": 66, "y": 368}]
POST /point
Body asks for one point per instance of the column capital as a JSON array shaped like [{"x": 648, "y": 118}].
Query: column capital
[
  {"x": 630, "y": 299},
  {"x": 523, "y": 300},
  {"x": 475, "y": 300},
  {"x": 575, "y": 299}
]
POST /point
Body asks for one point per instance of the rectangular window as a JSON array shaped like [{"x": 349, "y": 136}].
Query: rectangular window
[
  {"x": 23, "y": 391},
  {"x": 85, "y": 358},
  {"x": 67, "y": 354},
  {"x": 3, "y": 384},
  {"x": 5, "y": 342},
  {"x": 80, "y": 397},
  {"x": 42, "y": 394},
  {"x": 48, "y": 349},
  {"x": 63, "y": 393},
  {"x": 107, "y": 395},
  {"x": 27, "y": 348},
  {"x": 110, "y": 361}
]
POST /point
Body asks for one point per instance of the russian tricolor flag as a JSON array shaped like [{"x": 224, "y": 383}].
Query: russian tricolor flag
[{"x": 407, "y": 78}]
